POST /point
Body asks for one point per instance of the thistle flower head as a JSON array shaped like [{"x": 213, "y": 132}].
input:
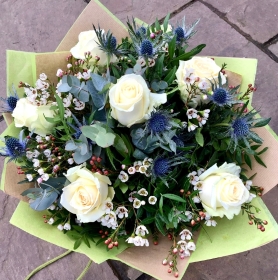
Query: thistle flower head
[
  {"x": 146, "y": 48},
  {"x": 221, "y": 97},
  {"x": 158, "y": 122},
  {"x": 240, "y": 128},
  {"x": 15, "y": 148},
  {"x": 161, "y": 166},
  {"x": 10, "y": 102}
]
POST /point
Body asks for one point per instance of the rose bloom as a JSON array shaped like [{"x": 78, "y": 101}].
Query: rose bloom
[
  {"x": 88, "y": 42},
  {"x": 131, "y": 100},
  {"x": 32, "y": 116},
  {"x": 87, "y": 194},
  {"x": 223, "y": 192},
  {"x": 204, "y": 68}
]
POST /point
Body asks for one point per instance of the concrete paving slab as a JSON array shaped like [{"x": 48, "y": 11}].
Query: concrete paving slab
[
  {"x": 223, "y": 40},
  {"x": 254, "y": 17},
  {"x": 145, "y": 10}
]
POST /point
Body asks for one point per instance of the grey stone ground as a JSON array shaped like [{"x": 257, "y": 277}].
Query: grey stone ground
[{"x": 239, "y": 28}]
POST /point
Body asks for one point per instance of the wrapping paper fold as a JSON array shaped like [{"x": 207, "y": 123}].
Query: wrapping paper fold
[{"x": 229, "y": 237}]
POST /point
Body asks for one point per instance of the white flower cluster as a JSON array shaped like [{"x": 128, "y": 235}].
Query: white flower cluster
[
  {"x": 209, "y": 222},
  {"x": 201, "y": 116},
  {"x": 186, "y": 244},
  {"x": 109, "y": 219},
  {"x": 143, "y": 192},
  {"x": 38, "y": 95},
  {"x": 139, "y": 239},
  {"x": 195, "y": 181},
  {"x": 138, "y": 166}
]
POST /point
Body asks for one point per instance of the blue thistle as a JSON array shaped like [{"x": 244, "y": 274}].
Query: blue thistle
[
  {"x": 159, "y": 122},
  {"x": 15, "y": 148},
  {"x": 111, "y": 43},
  {"x": 179, "y": 142},
  {"x": 77, "y": 127},
  {"x": 146, "y": 48},
  {"x": 221, "y": 97},
  {"x": 180, "y": 33},
  {"x": 10, "y": 102},
  {"x": 161, "y": 166},
  {"x": 240, "y": 128},
  {"x": 141, "y": 31}
]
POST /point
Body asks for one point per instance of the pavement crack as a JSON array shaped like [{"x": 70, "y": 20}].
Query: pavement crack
[
  {"x": 271, "y": 41},
  {"x": 3, "y": 210},
  {"x": 223, "y": 16}
]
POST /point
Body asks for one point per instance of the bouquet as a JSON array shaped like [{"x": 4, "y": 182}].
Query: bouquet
[{"x": 137, "y": 139}]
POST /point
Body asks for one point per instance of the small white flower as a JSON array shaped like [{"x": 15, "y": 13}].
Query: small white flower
[
  {"x": 38, "y": 138},
  {"x": 136, "y": 203},
  {"x": 47, "y": 138},
  {"x": 131, "y": 198},
  {"x": 50, "y": 221},
  {"x": 191, "y": 126},
  {"x": 67, "y": 226},
  {"x": 188, "y": 214},
  {"x": 130, "y": 240},
  {"x": 143, "y": 169},
  {"x": 66, "y": 102},
  {"x": 205, "y": 113},
  {"x": 69, "y": 65},
  {"x": 36, "y": 163},
  {"x": 191, "y": 113},
  {"x": 29, "y": 154},
  {"x": 201, "y": 120},
  {"x": 210, "y": 223},
  {"x": 200, "y": 171},
  {"x": 141, "y": 61},
  {"x": 79, "y": 105},
  {"x": 141, "y": 230},
  {"x": 45, "y": 177},
  {"x": 143, "y": 202},
  {"x": 138, "y": 241},
  {"x": 186, "y": 234},
  {"x": 248, "y": 184},
  {"x": 36, "y": 153},
  {"x": 122, "y": 212},
  {"x": 51, "y": 207},
  {"x": 165, "y": 48},
  {"x": 41, "y": 171},
  {"x": 152, "y": 200},
  {"x": 137, "y": 165},
  {"x": 70, "y": 161},
  {"x": 109, "y": 220},
  {"x": 143, "y": 192},
  {"x": 182, "y": 244},
  {"x": 191, "y": 246},
  {"x": 189, "y": 77},
  {"x": 147, "y": 162},
  {"x": 123, "y": 176},
  {"x": 193, "y": 178},
  {"x": 60, "y": 227},
  {"x": 39, "y": 180},
  {"x": 151, "y": 62},
  {"x": 67, "y": 113},
  {"x": 185, "y": 253},
  {"x": 131, "y": 170},
  {"x": 204, "y": 84},
  {"x": 250, "y": 198},
  {"x": 43, "y": 77},
  {"x": 107, "y": 206},
  {"x": 196, "y": 199},
  {"x": 198, "y": 186},
  {"x": 86, "y": 75},
  {"x": 29, "y": 177},
  {"x": 60, "y": 73}
]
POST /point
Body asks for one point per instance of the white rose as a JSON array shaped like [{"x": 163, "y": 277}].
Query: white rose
[
  {"x": 204, "y": 68},
  {"x": 131, "y": 100},
  {"x": 33, "y": 117},
  {"x": 88, "y": 42},
  {"x": 223, "y": 192},
  {"x": 87, "y": 194}
]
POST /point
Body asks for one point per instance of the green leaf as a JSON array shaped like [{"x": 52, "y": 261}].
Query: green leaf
[
  {"x": 77, "y": 243},
  {"x": 157, "y": 25},
  {"x": 262, "y": 151},
  {"x": 174, "y": 197},
  {"x": 147, "y": 221},
  {"x": 60, "y": 106},
  {"x": 199, "y": 137},
  {"x": 159, "y": 65},
  {"x": 73, "y": 234},
  {"x": 171, "y": 76},
  {"x": 172, "y": 47},
  {"x": 86, "y": 241},
  {"x": 248, "y": 160},
  {"x": 161, "y": 205},
  {"x": 259, "y": 160},
  {"x": 110, "y": 157},
  {"x": 171, "y": 215},
  {"x": 120, "y": 146},
  {"x": 123, "y": 187},
  {"x": 165, "y": 23},
  {"x": 261, "y": 122},
  {"x": 190, "y": 54},
  {"x": 159, "y": 224}
]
